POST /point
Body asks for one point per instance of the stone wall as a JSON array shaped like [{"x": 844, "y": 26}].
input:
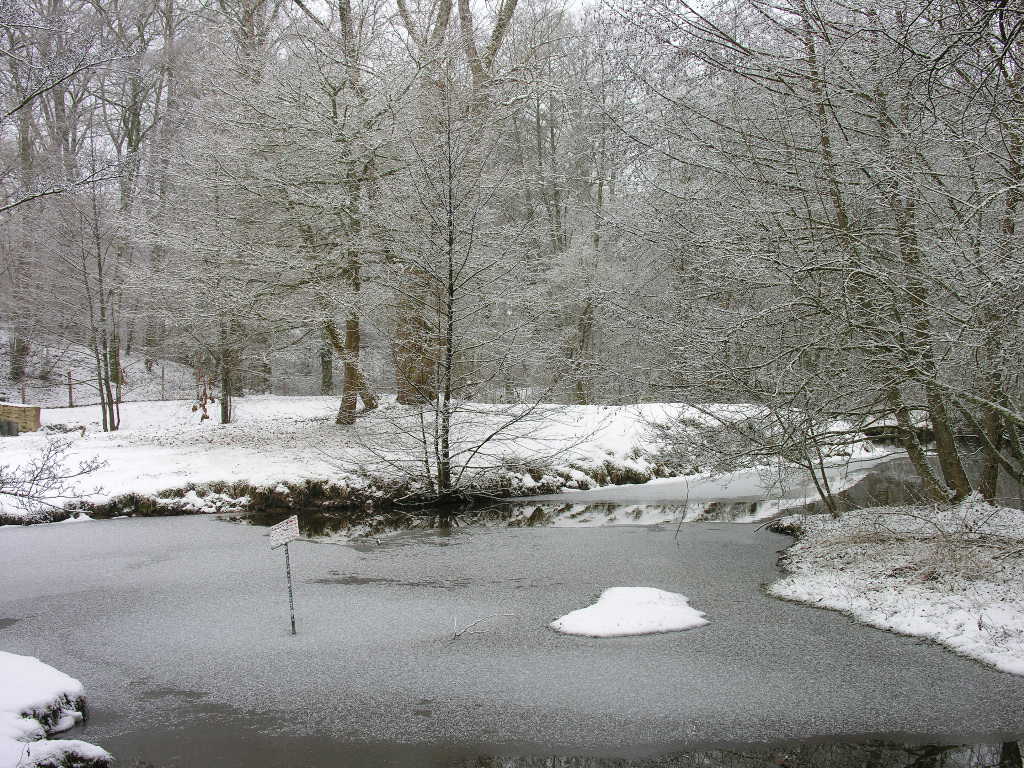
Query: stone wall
[{"x": 26, "y": 416}]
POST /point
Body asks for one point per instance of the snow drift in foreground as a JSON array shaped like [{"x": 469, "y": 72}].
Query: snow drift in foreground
[
  {"x": 36, "y": 701},
  {"x": 952, "y": 574},
  {"x": 624, "y": 611}
]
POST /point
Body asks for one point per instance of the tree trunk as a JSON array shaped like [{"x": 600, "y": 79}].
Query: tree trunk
[
  {"x": 326, "y": 368},
  {"x": 1009, "y": 755},
  {"x": 414, "y": 353},
  {"x": 584, "y": 334},
  {"x": 114, "y": 362},
  {"x": 354, "y": 381},
  {"x": 228, "y": 373},
  {"x": 914, "y": 449},
  {"x": 20, "y": 349},
  {"x": 945, "y": 446},
  {"x": 992, "y": 425},
  {"x": 351, "y": 377},
  {"x": 19, "y": 345},
  {"x": 226, "y": 387}
]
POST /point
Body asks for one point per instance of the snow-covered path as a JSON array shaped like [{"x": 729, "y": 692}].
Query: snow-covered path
[{"x": 178, "y": 628}]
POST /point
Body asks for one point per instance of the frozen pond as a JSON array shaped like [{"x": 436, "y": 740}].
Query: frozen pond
[{"x": 178, "y": 628}]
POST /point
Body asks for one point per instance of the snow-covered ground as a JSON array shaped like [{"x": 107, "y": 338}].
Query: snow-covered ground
[
  {"x": 164, "y": 445},
  {"x": 954, "y": 575},
  {"x": 37, "y": 701},
  {"x": 622, "y": 611}
]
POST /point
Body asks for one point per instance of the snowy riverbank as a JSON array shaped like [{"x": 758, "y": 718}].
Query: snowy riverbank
[
  {"x": 281, "y": 450},
  {"x": 37, "y": 701},
  {"x": 951, "y": 574}
]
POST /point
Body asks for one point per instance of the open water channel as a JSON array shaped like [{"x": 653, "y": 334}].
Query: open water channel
[{"x": 178, "y": 627}]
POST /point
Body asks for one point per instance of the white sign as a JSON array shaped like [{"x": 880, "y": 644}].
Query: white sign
[{"x": 283, "y": 532}]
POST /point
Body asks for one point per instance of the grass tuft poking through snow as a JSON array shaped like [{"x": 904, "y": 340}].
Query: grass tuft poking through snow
[
  {"x": 622, "y": 611},
  {"x": 953, "y": 573},
  {"x": 37, "y": 701}
]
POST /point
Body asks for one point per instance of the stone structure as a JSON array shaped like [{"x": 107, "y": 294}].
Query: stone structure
[{"x": 27, "y": 417}]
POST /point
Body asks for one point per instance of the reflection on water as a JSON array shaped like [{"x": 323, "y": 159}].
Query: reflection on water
[
  {"x": 355, "y": 580},
  {"x": 444, "y": 530},
  {"x": 823, "y": 755},
  {"x": 894, "y": 482},
  {"x": 590, "y": 515},
  {"x": 311, "y": 522}
]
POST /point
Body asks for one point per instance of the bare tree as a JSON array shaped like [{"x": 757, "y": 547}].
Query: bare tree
[
  {"x": 837, "y": 201},
  {"x": 445, "y": 216},
  {"x": 46, "y": 482}
]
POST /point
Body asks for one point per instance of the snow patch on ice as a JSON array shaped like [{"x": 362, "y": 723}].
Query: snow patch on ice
[
  {"x": 622, "y": 611},
  {"x": 37, "y": 700}
]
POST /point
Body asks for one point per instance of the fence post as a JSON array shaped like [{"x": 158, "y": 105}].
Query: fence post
[{"x": 71, "y": 392}]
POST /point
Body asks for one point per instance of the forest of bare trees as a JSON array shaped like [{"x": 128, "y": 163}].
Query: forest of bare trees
[{"x": 812, "y": 207}]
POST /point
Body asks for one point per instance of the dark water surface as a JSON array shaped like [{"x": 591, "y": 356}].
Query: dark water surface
[
  {"x": 178, "y": 629},
  {"x": 891, "y": 482},
  {"x": 215, "y": 738}
]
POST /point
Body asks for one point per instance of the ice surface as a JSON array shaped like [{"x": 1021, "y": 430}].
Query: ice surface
[
  {"x": 140, "y": 609},
  {"x": 624, "y": 611}
]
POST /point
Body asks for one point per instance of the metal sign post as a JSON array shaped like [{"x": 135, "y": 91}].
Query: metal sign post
[
  {"x": 280, "y": 535},
  {"x": 291, "y": 598}
]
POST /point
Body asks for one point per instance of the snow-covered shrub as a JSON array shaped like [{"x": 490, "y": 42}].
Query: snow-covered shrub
[
  {"x": 674, "y": 444},
  {"x": 965, "y": 539},
  {"x": 742, "y": 439},
  {"x": 42, "y": 487}
]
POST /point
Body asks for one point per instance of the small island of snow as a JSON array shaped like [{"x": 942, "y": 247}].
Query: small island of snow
[
  {"x": 621, "y": 611},
  {"x": 37, "y": 701}
]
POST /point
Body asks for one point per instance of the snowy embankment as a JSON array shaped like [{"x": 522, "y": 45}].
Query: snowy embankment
[
  {"x": 623, "y": 611},
  {"x": 952, "y": 574},
  {"x": 37, "y": 701},
  {"x": 287, "y": 452},
  {"x": 164, "y": 460}
]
